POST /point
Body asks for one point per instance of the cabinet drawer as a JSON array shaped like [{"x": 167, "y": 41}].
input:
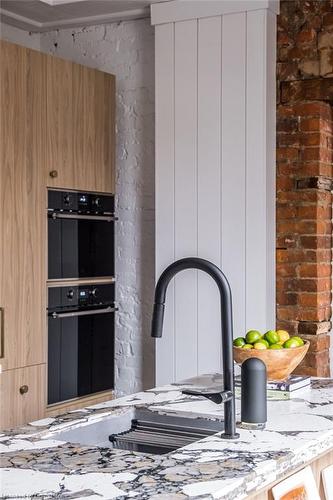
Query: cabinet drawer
[{"x": 22, "y": 395}]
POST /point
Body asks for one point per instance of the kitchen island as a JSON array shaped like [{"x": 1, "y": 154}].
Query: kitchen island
[{"x": 35, "y": 463}]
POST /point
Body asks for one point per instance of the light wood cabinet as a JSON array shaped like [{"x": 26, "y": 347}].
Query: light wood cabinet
[
  {"x": 22, "y": 394},
  {"x": 80, "y": 127},
  {"x": 317, "y": 467},
  {"x": 56, "y": 117},
  {"x": 59, "y": 123},
  {"x": 22, "y": 208}
]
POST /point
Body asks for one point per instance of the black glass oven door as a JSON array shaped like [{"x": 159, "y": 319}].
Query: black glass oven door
[
  {"x": 80, "y": 355},
  {"x": 80, "y": 247}
]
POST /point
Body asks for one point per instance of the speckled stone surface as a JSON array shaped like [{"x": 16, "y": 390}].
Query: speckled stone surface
[{"x": 35, "y": 463}]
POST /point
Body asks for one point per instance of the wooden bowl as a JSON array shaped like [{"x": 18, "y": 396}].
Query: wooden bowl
[{"x": 279, "y": 362}]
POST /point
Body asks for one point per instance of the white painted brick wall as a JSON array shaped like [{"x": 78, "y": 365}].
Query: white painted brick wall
[
  {"x": 15, "y": 35},
  {"x": 126, "y": 49}
]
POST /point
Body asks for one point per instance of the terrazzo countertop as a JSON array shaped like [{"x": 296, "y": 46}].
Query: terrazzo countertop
[{"x": 35, "y": 464}]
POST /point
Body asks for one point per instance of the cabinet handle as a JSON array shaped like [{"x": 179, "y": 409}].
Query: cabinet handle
[
  {"x": 54, "y": 174},
  {"x": 24, "y": 389},
  {"x": 2, "y": 333}
]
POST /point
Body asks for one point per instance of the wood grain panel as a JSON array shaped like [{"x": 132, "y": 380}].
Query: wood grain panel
[
  {"x": 93, "y": 129},
  {"x": 186, "y": 205},
  {"x": 22, "y": 202},
  {"x": 233, "y": 162},
  {"x": 74, "y": 404},
  {"x": 83, "y": 133},
  {"x": 316, "y": 465},
  {"x": 17, "y": 408},
  {"x": 209, "y": 190},
  {"x": 54, "y": 116},
  {"x": 59, "y": 122},
  {"x": 105, "y": 131},
  {"x": 165, "y": 194},
  {"x": 80, "y": 127}
]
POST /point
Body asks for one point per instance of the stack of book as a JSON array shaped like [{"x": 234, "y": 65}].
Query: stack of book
[{"x": 281, "y": 390}]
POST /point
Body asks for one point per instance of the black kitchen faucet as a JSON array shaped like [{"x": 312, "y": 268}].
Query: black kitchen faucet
[{"x": 227, "y": 396}]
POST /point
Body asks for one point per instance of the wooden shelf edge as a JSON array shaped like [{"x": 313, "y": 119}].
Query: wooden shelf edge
[
  {"x": 80, "y": 282},
  {"x": 74, "y": 404}
]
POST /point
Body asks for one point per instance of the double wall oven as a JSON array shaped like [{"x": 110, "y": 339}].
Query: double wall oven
[{"x": 81, "y": 294}]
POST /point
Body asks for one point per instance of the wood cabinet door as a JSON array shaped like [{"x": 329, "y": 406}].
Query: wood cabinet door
[
  {"x": 59, "y": 123},
  {"x": 22, "y": 395},
  {"x": 22, "y": 207},
  {"x": 80, "y": 127}
]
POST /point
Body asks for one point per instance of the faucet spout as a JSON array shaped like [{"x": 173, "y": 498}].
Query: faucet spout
[{"x": 226, "y": 326}]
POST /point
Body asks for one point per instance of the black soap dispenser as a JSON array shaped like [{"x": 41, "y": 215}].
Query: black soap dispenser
[{"x": 254, "y": 394}]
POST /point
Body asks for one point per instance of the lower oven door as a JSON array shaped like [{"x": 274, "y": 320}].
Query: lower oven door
[{"x": 80, "y": 353}]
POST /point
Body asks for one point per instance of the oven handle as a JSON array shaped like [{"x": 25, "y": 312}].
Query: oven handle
[
  {"x": 72, "y": 314},
  {"x": 108, "y": 218}
]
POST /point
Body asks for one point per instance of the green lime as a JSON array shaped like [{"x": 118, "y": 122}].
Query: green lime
[
  {"x": 290, "y": 343},
  {"x": 239, "y": 342},
  {"x": 272, "y": 337},
  {"x": 259, "y": 345},
  {"x": 247, "y": 346},
  {"x": 252, "y": 336},
  {"x": 283, "y": 336},
  {"x": 264, "y": 341},
  {"x": 275, "y": 346},
  {"x": 299, "y": 340}
]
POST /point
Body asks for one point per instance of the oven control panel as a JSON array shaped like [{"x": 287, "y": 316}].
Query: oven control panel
[
  {"x": 79, "y": 202},
  {"x": 80, "y": 296}
]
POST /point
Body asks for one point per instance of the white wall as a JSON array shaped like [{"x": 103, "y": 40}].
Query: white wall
[
  {"x": 16, "y": 35},
  {"x": 125, "y": 49},
  {"x": 215, "y": 173}
]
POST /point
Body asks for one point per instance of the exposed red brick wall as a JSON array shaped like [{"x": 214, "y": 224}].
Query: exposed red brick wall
[{"x": 304, "y": 176}]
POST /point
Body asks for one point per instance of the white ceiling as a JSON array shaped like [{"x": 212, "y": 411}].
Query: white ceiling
[{"x": 45, "y": 15}]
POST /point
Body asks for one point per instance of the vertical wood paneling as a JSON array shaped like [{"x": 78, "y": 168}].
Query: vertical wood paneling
[
  {"x": 209, "y": 190},
  {"x": 165, "y": 202},
  {"x": 233, "y": 161},
  {"x": 186, "y": 290}
]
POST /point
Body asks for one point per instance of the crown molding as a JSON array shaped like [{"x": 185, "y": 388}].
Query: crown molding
[
  {"x": 32, "y": 25},
  {"x": 60, "y": 2},
  {"x": 181, "y": 10}
]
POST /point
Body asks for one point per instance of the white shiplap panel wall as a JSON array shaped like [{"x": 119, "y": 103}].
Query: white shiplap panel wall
[
  {"x": 215, "y": 133},
  {"x": 233, "y": 228},
  {"x": 260, "y": 185},
  {"x": 165, "y": 197},
  {"x": 270, "y": 105},
  {"x": 209, "y": 189},
  {"x": 186, "y": 195},
  {"x": 255, "y": 159}
]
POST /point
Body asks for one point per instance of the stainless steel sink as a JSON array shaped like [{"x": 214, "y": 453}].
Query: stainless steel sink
[
  {"x": 141, "y": 430},
  {"x": 152, "y": 432}
]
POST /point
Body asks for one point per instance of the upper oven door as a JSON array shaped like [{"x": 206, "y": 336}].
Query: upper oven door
[{"x": 80, "y": 246}]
